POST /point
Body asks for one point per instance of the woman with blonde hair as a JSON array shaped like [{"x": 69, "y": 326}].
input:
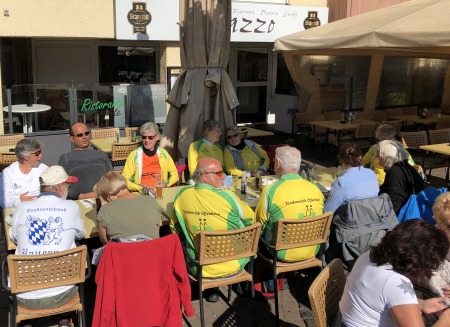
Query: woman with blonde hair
[
  {"x": 402, "y": 180},
  {"x": 241, "y": 155},
  {"x": 207, "y": 147},
  {"x": 440, "y": 280},
  {"x": 115, "y": 219}
]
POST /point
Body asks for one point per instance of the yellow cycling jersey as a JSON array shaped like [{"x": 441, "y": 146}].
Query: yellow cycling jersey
[
  {"x": 291, "y": 197},
  {"x": 203, "y": 207},
  {"x": 201, "y": 149}
]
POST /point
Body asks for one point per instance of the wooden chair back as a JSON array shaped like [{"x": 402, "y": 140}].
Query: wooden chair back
[
  {"x": 120, "y": 151},
  {"x": 443, "y": 122},
  {"x": 129, "y": 129},
  {"x": 396, "y": 124},
  {"x": 332, "y": 115},
  {"x": 105, "y": 133},
  {"x": 325, "y": 293},
  {"x": 365, "y": 131},
  {"x": 35, "y": 272},
  {"x": 439, "y": 136},
  {"x": 11, "y": 140},
  {"x": 7, "y": 158},
  {"x": 296, "y": 233},
  {"x": 414, "y": 139},
  {"x": 379, "y": 115},
  {"x": 410, "y": 110},
  {"x": 394, "y": 112},
  {"x": 221, "y": 246}
]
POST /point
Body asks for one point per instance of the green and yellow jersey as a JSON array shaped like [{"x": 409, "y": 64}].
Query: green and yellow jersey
[
  {"x": 291, "y": 197},
  {"x": 203, "y": 207}
]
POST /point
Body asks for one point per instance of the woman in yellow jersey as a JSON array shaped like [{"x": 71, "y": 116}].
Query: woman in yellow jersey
[
  {"x": 241, "y": 155},
  {"x": 149, "y": 160},
  {"x": 207, "y": 147}
]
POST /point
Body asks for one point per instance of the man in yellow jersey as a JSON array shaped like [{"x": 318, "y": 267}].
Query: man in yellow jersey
[
  {"x": 290, "y": 197},
  {"x": 207, "y": 206}
]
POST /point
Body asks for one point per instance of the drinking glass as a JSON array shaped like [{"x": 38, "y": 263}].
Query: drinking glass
[{"x": 159, "y": 186}]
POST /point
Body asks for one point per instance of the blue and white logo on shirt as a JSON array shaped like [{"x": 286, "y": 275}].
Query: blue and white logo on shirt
[{"x": 44, "y": 231}]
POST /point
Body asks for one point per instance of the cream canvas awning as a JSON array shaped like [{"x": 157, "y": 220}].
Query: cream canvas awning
[{"x": 421, "y": 26}]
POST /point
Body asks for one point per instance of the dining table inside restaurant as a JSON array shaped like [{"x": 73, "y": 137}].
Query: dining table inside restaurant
[
  {"x": 105, "y": 144},
  {"x": 323, "y": 177},
  {"x": 416, "y": 119},
  {"x": 340, "y": 126}
]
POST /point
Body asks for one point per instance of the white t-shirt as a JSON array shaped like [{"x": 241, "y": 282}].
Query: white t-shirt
[
  {"x": 371, "y": 291},
  {"x": 16, "y": 183},
  {"x": 46, "y": 225}
]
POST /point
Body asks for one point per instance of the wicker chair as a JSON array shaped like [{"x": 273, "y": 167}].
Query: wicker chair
[
  {"x": 379, "y": 115},
  {"x": 7, "y": 158},
  {"x": 129, "y": 129},
  {"x": 11, "y": 140},
  {"x": 120, "y": 152},
  {"x": 55, "y": 269},
  {"x": 363, "y": 136},
  {"x": 222, "y": 246},
  {"x": 412, "y": 141},
  {"x": 439, "y": 136},
  {"x": 443, "y": 122},
  {"x": 396, "y": 124},
  {"x": 410, "y": 110},
  {"x": 332, "y": 115},
  {"x": 297, "y": 233},
  {"x": 325, "y": 292},
  {"x": 394, "y": 112},
  {"x": 105, "y": 133}
]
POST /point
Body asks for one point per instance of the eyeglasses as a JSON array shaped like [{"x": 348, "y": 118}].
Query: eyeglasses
[
  {"x": 148, "y": 137},
  {"x": 36, "y": 153},
  {"x": 81, "y": 134},
  {"x": 68, "y": 184},
  {"x": 218, "y": 173},
  {"x": 229, "y": 137}
]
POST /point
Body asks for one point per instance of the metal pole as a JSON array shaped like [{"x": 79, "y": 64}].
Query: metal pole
[
  {"x": 8, "y": 97},
  {"x": 73, "y": 102}
]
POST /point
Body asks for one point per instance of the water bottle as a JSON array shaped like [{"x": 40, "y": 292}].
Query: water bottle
[{"x": 244, "y": 183}]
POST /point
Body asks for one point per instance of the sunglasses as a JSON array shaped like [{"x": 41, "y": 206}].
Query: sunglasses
[
  {"x": 218, "y": 173},
  {"x": 85, "y": 134},
  {"x": 229, "y": 137},
  {"x": 36, "y": 153},
  {"x": 148, "y": 137}
]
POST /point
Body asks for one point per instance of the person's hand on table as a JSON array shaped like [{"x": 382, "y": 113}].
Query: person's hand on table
[{"x": 25, "y": 197}]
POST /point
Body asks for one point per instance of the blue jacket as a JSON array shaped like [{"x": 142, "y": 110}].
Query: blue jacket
[{"x": 420, "y": 205}]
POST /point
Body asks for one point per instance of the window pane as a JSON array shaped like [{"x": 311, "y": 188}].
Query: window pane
[
  {"x": 285, "y": 85},
  {"x": 135, "y": 65},
  {"x": 251, "y": 99},
  {"x": 252, "y": 65},
  {"x": 411, "y": 81}
]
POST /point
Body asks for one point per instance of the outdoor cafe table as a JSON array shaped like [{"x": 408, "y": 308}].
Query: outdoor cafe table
[
  {"x": 253, "y": 132},
  {"x": 27, "y": 113},
  {"x": 417, "y": 119},
  {"x": 340, "y": 125},
  {"x": 105, "y": 145},
  {"x": 442, "y": 148}
]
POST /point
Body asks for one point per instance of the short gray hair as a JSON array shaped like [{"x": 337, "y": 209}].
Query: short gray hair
[
  {"x": 289, "y": 157},
  {"x": 24, "y": 148},
  {"x": 198, "y": 173},
  {"x": 391, "y": 152},
  {"x": 150, "y": 127},
  {"x": 385, "y": 132}
]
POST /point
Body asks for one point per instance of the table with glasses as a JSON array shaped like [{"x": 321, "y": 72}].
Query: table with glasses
[
  {"x": 415, "y": 119},
  {"x": 27, "y": 113},
  {"x": 340, "y": 126},
  {"x": 105, "y": 145}
]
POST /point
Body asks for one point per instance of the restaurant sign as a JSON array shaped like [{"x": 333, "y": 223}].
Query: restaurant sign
[{"x": 157, "y": 20}]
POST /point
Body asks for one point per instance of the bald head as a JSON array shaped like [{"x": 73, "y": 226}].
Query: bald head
[
  {"x": 208, "y": 171},
  {"x": 77, "y": 136}
]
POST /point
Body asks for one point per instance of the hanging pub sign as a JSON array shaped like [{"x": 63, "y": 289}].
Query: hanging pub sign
[{"x": 139, "y": 17}]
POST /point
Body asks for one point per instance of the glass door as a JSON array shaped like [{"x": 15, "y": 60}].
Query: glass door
[{"x": 251, "y": 75}]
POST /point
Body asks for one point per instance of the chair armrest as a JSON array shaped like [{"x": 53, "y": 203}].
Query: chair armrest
[
  {"x": 5, "y": 276},
  {"x": 265, "y": 243},
  {"x": 89, "y": 266},
  {"x": 187, "y": 255}
]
